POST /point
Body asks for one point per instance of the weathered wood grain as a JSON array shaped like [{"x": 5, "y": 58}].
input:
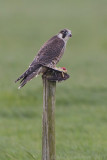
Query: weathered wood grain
[{"x": 48, "y": 128}]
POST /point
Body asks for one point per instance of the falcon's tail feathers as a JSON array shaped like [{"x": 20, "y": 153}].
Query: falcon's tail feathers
[{"x": 28, "y": 75}]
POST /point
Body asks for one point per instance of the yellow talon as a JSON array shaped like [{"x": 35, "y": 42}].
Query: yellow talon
[{"x": 63, "y": 74}]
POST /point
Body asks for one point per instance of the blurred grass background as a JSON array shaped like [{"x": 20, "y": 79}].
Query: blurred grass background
[{"x": 81, "y": 101}]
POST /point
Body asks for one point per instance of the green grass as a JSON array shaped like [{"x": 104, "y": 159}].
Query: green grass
[{"x": 81, "y": 101}]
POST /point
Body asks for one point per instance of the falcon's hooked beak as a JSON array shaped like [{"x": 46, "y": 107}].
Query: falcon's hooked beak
[{"x": 70, "y": 35}]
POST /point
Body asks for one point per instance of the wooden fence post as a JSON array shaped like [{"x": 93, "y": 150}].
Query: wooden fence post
[{"x": 48, "y": 128}]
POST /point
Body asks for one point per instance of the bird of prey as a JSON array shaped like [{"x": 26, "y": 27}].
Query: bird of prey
[{"x": 48, "y": 56}]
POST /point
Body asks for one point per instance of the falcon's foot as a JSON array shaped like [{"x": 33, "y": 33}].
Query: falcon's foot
[{"x": 61, "y": 69}]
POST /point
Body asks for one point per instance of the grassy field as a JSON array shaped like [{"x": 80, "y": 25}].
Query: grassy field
[{"x": 81, "y": 101}]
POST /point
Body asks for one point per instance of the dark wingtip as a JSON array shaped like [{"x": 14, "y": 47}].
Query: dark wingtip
[
  {"x": 22, "y": 84},
  {"x": 17, "y": 79}
]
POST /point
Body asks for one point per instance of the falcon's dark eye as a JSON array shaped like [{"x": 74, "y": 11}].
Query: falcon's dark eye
[{"x": 64, "y": 33}]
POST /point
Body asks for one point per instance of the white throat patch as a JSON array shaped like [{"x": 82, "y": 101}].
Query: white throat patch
[
  {"x": 60, "y": 35},
  {"x": 64, "y": 39}
]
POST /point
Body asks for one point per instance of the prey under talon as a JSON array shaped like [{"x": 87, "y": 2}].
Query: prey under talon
[{"x": 61, "y": 69}]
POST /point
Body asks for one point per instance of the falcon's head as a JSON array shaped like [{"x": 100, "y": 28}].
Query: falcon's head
[{"x": 65, "y": 34}]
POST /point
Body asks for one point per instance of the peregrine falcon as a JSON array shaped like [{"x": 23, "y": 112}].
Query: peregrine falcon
[{"x": 48, "y": 56}]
